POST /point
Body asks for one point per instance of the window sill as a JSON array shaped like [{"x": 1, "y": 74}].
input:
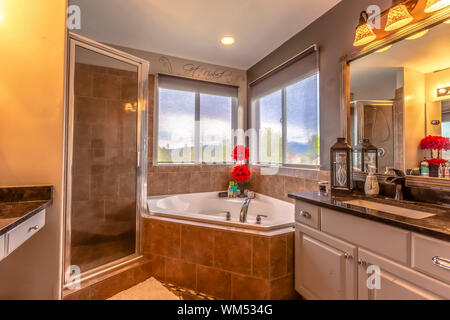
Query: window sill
[
  {"x": 190, "y": 164},
  {"x": 294, "y": 167}
]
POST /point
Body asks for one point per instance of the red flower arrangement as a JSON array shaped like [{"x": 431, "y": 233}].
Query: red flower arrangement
[
  {"x": 241, "y": 173},
  {"x": 436, "y": 162},
  {"x": 241, "y": 153},
  {"x": 435, "y": 143}
]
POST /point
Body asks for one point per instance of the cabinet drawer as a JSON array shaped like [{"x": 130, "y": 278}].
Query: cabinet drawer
[
  {"x": 24, "y": 231},
  {"x": 2, "y": 247},
  {"x": 430, "y": 256},
  {"x": 380, "y": 238},
  {"x": 307, "y": 214},
  {"x": 397, "y": 282}
]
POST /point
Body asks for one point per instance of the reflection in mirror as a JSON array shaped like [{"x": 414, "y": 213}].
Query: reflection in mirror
[
  {"x": 397, "y": 99},
  {"x": 445, "y": 125}
]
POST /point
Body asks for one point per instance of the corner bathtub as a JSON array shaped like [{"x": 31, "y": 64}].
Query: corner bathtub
[{"x": 209, "y": 208}]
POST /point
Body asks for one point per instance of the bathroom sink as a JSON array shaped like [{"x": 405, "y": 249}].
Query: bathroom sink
[{"x": 404, "y": 212}]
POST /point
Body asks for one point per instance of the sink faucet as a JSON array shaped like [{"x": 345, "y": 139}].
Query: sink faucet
[
  {"x": 244, "y": 209},
  {"x": 399, "y": 180}
]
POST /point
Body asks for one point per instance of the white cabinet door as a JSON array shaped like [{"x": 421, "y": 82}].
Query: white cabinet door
[
  {"x": 325, "y": 267},
  {"x": 396, "y": 282}
]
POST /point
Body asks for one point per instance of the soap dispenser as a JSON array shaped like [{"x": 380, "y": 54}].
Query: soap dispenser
[{"x": 371, "y": 187}]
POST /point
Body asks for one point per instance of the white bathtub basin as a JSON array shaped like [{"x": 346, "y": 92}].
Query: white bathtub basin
[{"x": 209, "y": 208}]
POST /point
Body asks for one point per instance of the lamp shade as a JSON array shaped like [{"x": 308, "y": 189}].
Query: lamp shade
[
  {"x": 364, "y": 33},
  {"x": 398, "y": 17},
  {"x": 435, "y": 5}
]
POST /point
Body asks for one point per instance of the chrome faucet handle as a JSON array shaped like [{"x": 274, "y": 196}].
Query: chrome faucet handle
[
  {"x": 258, "y": 218},
  {"x": 228, "y": 215}
]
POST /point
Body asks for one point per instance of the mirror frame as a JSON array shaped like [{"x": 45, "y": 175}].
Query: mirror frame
[{"x": 426, "y": 23}]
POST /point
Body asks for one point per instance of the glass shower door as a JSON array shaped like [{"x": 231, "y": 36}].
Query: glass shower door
[{"x": 106, "y": 147}]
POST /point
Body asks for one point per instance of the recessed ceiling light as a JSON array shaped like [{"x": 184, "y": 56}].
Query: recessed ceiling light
[
  {"x": 418, "y": 35},
  {"x": 384, "y": 49},
  {"x": 227, "y": 40}
]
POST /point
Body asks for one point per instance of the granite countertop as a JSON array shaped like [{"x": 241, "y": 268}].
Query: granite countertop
[
  {"x": 18, "y": 204},
  {"x": 437, "y": 226}
]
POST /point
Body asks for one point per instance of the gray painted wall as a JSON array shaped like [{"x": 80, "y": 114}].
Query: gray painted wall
[{"x": 334, "y": 33}]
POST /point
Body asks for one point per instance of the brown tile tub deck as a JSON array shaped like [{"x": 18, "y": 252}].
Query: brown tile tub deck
[{"x": 223, "y": 263}]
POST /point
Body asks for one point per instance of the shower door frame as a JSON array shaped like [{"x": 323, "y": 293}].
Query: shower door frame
[{"x": 143, "y": 67}]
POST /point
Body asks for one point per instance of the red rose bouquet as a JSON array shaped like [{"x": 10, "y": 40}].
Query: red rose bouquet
[
  {"x": 435, "y": 143},
  {"x": 436, "y": 162},
  {"x": 241, "y": 173},
  {"x": 241, "y": 153}
]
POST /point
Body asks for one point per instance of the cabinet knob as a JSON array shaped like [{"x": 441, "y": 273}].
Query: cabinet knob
[
  {"x": 305, "y": 214},
  {"x": 348, "y": 256},
  {"x": 36, "y": 227}
]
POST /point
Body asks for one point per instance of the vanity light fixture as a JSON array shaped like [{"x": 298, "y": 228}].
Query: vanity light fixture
[
  {"x": 435, "y": 5},
  {"x": 364, "y": 33},
  {"x": 384, "y": 49},
  {"x": 227, "y": 40},
  {"x": 398, "y": 16},
  {"x": 442, "y": 92},
  {"x": 418, "y": 35}
]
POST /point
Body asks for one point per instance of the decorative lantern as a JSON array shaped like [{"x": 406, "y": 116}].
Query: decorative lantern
[
  {"x": 365, "y": 155},
  {"x": 341, "y": 166}
]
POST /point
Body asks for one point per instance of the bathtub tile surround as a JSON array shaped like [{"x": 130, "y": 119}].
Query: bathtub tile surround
[
  {"x": 222, "y": 263},
  {"x": 285, "y": 181}
]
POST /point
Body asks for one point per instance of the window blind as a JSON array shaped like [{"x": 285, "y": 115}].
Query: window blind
[
  {"x": 205, "y": 87},
  {"x": 293, "y": 70}
]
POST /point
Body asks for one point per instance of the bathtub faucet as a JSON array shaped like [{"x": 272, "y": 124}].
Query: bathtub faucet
[{"x": 244, "y": 209}]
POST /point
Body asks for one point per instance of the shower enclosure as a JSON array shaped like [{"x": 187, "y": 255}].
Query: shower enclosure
[
  {"x": 106, "y": 152},
  {"x": 376, "y": 120}
]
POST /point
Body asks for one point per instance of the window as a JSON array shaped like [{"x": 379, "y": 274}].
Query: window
[
  {"x": 446, "y": 132},
  {"x": 196, "y": 120},
  {"x": 285, "y": 115}
]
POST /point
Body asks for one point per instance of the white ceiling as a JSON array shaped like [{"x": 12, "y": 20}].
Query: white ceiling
[{"x": 192, "y": 28}]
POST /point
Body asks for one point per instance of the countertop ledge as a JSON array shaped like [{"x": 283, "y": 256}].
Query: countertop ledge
[
  {"x": 437, "y": 226},
  {"x": 18, "y": 204}
]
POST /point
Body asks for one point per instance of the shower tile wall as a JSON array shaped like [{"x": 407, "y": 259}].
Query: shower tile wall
[{"x": 104, "y": 161}]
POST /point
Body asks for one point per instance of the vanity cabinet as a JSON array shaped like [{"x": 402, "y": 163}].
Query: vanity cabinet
[
  {"x": 20, "y": 234},
  {"x": 333, "y": 260},
  {"x": 326, "y": 265},
  {"x": 2, "y": 247}
]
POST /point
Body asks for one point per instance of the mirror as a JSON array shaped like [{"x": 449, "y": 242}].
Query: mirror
[{"x": 399, "y": 95}]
